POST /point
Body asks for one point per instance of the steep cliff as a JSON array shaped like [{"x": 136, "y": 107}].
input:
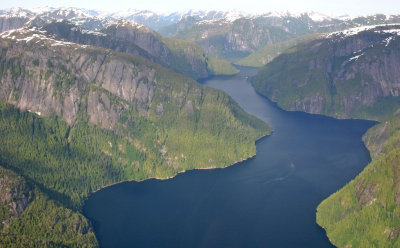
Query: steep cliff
[
  {"x": 231, "y": 40},
  {"x": 349, "y": 74},
  {"x": 37, "y": 17},
  {"x": 267, "y": 53},
  {"x": 75, "y": 118},
  {"x": 182, "y": 56},
  {"x": 73, "y": 33},
  {"x": 236, "y": 38},
  {"x": 366, "y": 212},
  {"x": 127, "y": 37},
  {"x": 132, "y": 118},
  {"x": 15, "y": 196},
  {"x": 8, "y": 23}
]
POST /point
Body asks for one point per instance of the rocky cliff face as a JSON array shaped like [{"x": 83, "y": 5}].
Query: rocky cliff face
[
  {"x": 114, "y": 91},
  {"x": 247, "y": 36},
  {"x": 184, "y": 57},
  {"x": 132, "y": 118},
  {"x": 54, "y": 80},
  {"x": 376, "y": 138},
  {"x": 348, "y": 74},
  {"x": 233, "y": 39},
  {"x": 18, "y": 18},
  {"x": 230, "y": 40},
  {"x": 126, "y": 37},
  {"x": 80, "y": 26},
  {"x": 76, "y": 34},
  {"x": 8, "y": 23},
  {"x": 15, "y": 196}
]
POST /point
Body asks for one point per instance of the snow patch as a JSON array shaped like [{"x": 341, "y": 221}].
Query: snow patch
[
  {"x": 357, "y": 30},
  {"x": 318, "y": 17},
  {"x": 34, "y": 35},
  {"x": 388, "y": 40},
  {"x": 125, "y": 23},
  {"x": 85, "y": 31},
  {"x": 392, "y": 31},
  {"x": 220, "y": 21},
  {"x": 38, "y": 113},
  {"x": 351, "y": 31},
  {"x": 355, "y": 58}
]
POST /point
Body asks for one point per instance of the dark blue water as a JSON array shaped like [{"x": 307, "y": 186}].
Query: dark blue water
[{"x": 267, "y": 201}]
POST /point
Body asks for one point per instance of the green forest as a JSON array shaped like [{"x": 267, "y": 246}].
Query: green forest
[
  {"x": 171, "y": 125},
  {"x": 366, "y": 212}
]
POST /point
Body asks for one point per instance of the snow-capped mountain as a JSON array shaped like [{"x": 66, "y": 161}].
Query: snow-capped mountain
[
  {"x": 359, "y": 70},
  {"x": 96, "y": 20},
  {"x": 19, "y": 17},
  {"x": 158, "y": 20}
]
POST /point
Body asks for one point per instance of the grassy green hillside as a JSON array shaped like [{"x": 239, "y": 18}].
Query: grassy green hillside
[
  {"x": 267, "y": 53},
  {"x": 366, "y": 212}
]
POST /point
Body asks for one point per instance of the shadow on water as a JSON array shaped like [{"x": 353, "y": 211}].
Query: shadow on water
[{"x": 266, "y": 201}]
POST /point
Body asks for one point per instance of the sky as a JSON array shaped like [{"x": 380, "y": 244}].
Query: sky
[{"x": 351, "y": 7}]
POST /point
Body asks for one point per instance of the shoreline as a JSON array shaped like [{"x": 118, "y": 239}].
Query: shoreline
[{"x": 179, "y": 172}]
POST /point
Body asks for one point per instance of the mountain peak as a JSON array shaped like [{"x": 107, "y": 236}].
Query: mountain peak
[
  {"x": 35, "y": 35},
  {"x": 382, "y": 28}
]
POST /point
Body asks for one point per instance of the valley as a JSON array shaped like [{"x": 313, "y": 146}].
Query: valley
[
  {"x": 250, "y": 204},
  {"x": 98, "y": 107}
]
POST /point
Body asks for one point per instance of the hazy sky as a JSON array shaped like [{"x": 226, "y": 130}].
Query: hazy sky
[{"x": 252, "y": 6}]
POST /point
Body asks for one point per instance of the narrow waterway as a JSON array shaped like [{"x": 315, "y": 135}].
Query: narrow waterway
[{"x": 267, "y": 201}]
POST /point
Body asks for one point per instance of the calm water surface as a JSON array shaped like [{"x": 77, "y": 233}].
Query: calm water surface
[{"x": 267, "y": 201}]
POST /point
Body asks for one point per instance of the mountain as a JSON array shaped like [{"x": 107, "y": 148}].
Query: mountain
[
  {"x": 365, "y": 213},
  {"x": 75, "y": 118},
  {"x": 267, "y": 53},
  {"x": 346, "y": 74},
  {"x": 159, "y": 20},
  {"x": 228, "y": 39},
  {"x": 297, "y": 23},
  {"x": 89, "y": 27},
  {"x": 37, "y": 17},
  {"x": 231, "y": 40},
  {"x": 230, "y": 35},
  {"x": 123, "y": 93},
  {"x": 358, "y": 21},
  {"x": 289, "y": 22},
  {"x": 128, "y": 37},
  {"x": 96, "y": 20}
]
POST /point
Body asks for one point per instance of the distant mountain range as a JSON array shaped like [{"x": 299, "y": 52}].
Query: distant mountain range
[
  {"x": 94, "y": 19},
  {"x": 229, "y": 35},
  {"x": 235, "y": 39}
]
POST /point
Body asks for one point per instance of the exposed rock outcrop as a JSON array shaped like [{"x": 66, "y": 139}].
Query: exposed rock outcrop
[
  {"x": 43, "y": 81},
  {"x": 348, "y": 74},
  {"x": 127, "y": 37},
  {"x": 15, "y": 196},
  {"x": 123, "y": 93}
]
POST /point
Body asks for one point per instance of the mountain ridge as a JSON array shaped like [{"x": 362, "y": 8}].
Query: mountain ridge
[
  {"x": 159, "y": 19},
  {"x": 346, "y": 74},
  {"x": 75, "y": 118},
  {"x": 365, "y": 212}
]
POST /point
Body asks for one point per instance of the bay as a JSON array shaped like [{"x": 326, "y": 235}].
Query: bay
[{"x": 267, "y": 201}]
